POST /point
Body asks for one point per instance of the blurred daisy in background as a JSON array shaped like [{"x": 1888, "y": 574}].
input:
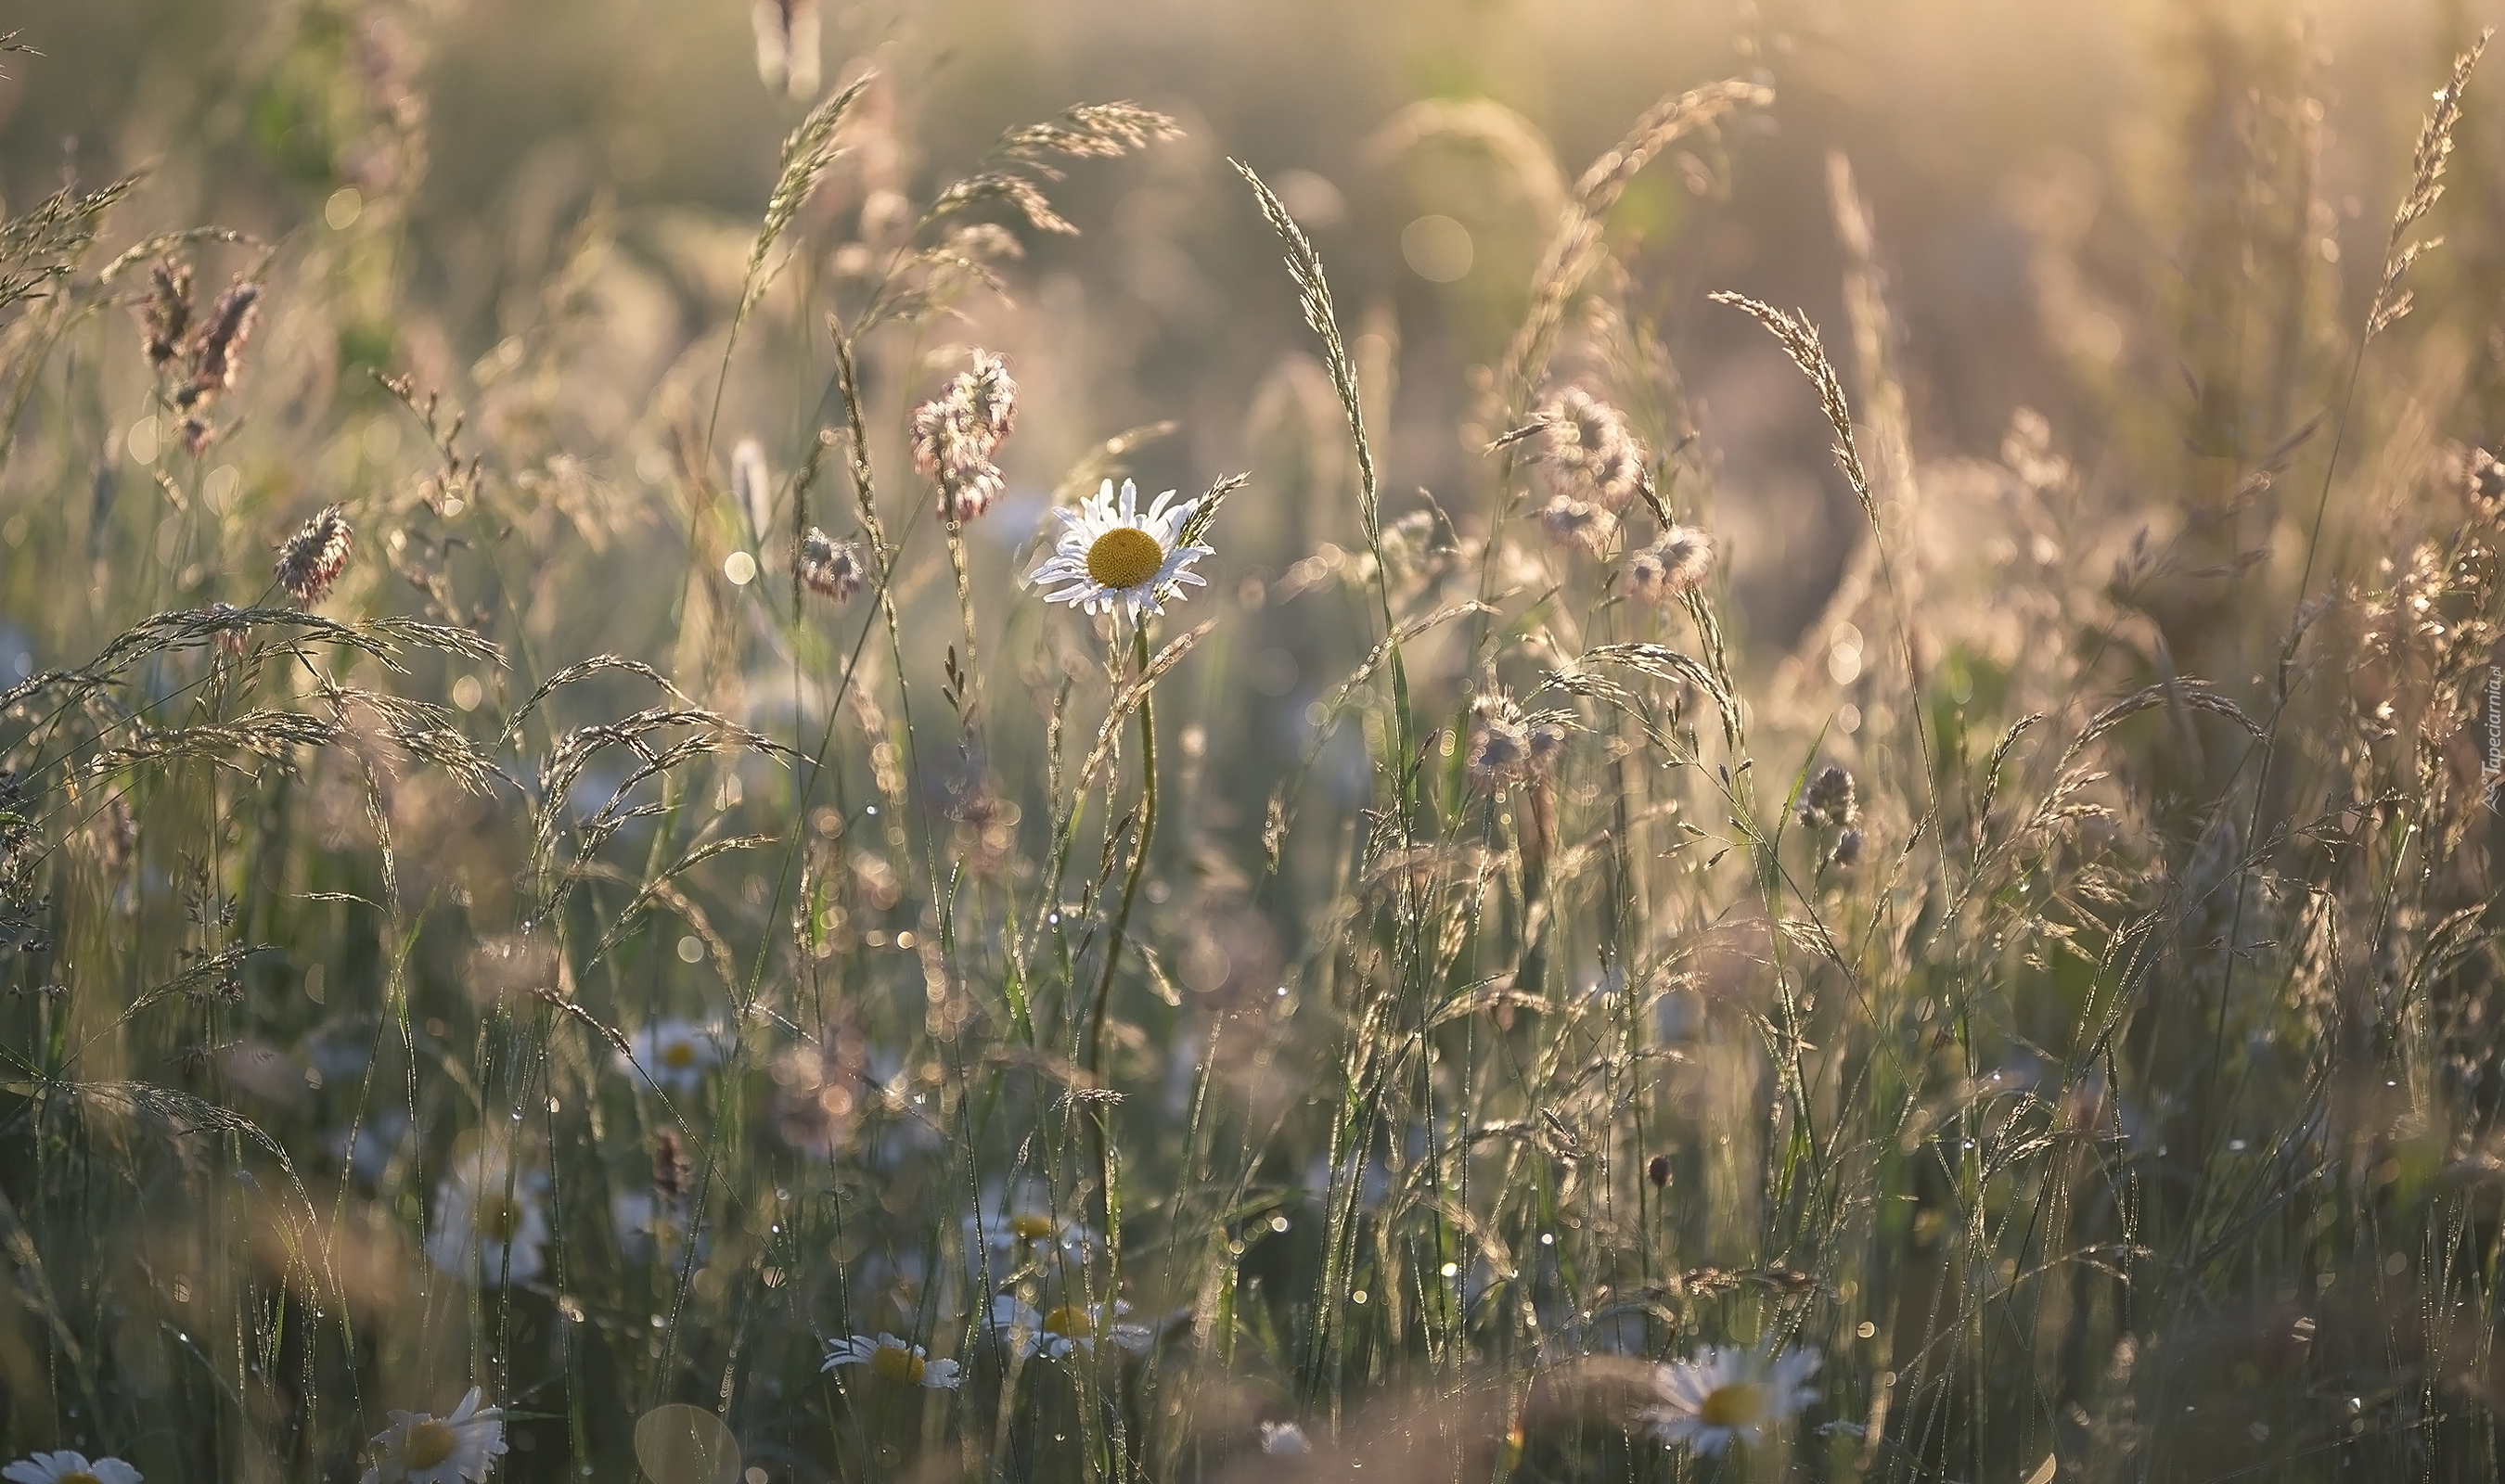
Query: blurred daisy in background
[
  {"x": 1055, "y": 1335},
  {"x": 1015, "y": 1223},
  {"x": 68, "y": 1468},
  {"x": 1728, "y": 1393},
  {"x": 490, "y": 1222},
  {"x": 1109, "y": 558},
  {"x": 421, "y": 1448},
  {"x": 894, "y": 1359},
  {"x": 676, "y": 1054}
]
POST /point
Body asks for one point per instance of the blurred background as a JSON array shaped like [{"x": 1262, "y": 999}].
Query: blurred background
[
  {"x": 2034, "y": 168},
  {"x": 2119, "y": 263}
]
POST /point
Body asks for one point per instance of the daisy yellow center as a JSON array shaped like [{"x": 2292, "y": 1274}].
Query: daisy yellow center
[
  {"x": 678, "y": 1054},
  {"x": 82, "y": 1477},
  {"x": 1124, "y": 557},
  {"x": 897, "y": 1364},
  {"x": 1031, "y": 1228},
  {"x": 1740, "y": 1405},
  {"x": 429, "y": 1443},
  {"x": 1069, "y": 1323}
]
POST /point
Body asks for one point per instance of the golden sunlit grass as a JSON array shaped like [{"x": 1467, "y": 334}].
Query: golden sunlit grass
[{"x": 681, "y": 884}]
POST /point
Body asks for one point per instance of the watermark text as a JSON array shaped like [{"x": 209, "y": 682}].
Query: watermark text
[{"x": 2492, "y": 773}]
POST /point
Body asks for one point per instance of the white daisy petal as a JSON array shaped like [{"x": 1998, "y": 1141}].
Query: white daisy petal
[
  {"x": 894, "y": 1359},
  {"x": 1726, "y": 1395},
  {"x": 69, "y": 1467},
  {"x": 490, "y": 1223},
  {"x": 418, "y": 1448}
]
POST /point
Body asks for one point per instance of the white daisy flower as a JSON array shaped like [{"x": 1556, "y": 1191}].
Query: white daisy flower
[
  {"x": 1108, "y": 558},
  {"x": 68, "y": 1468},
  {"x": 675, "y": 1053},
  {"x": 1072, "y": 1327},
  {"x": 488, "y": 1229},
  {"x": 421, "y": 1448},
  {"x": 892, "y": 1358},
  {"x": 1284, "y": 1437},
  {"x": 1728, "y": 1393},
  {"x": 1016, "y": 1223}
]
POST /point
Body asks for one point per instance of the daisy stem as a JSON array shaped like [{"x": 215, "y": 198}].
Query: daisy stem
[
  {"x": 1100, "y": 1112},
  {"x": 1138, "y": 859}
]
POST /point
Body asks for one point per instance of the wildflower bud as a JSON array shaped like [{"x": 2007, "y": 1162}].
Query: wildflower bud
[
  {"x": 1657, "y": 1170},
  {"x": 166, "y": 317},
  {"x": 1828, "y": 803},
  {"x": 1848, "y": 849},
  {"x": 827, "y": 566},
  {"x": 310, "y": 559}
]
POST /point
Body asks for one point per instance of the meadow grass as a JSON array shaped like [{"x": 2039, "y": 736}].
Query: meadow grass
[{"x": 653, "y": 911}]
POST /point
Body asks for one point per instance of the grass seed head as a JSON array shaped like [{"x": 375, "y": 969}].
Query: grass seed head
[
  {"x": 1588, "y": 449},
  {"x": 956, "y": 432},
  {"x": 165, "y": 316},
  {"x": 1547, "y": 737},
  {"x": 217, "y": 356},
  {"x": 1499, "y": 744},
  {"x": 1675, "y": 565},
  {"x": 2485, "y": 480},
  {"x": 827, "y": 566},
  {"x": 991, "y": 394},
  {"x": 673, "y": 1175},
  {"x": 1578, "y": 523},
  {"x": 1827, "y": 803},
  {"x": 311, "y": 560}
]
